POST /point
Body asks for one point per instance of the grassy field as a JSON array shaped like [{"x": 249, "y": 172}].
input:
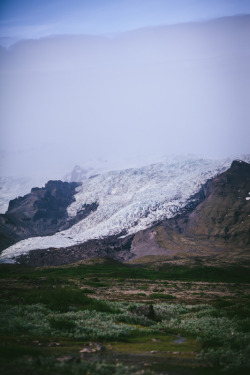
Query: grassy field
[{"x": 107, "y": 318}]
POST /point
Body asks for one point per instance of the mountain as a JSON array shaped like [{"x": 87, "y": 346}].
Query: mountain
[
  {"x": 183, "y": 204},
  {"x": 42, "y": 212},
  {"x": 93, "y": 167},
  {"x": 218, "y": 226},
  {"x": 224, "y": 213},
  {"x": 76, "y": 175},
  {"x": 12, "y": 187}
]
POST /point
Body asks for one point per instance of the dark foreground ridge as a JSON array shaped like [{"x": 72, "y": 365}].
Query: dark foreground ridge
[
  {"x": 42, "y": 212},
  {"x": 112, "y": 246}
]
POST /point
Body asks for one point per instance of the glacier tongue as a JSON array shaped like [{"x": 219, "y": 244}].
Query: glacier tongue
[{"x": 129, "y": 200}]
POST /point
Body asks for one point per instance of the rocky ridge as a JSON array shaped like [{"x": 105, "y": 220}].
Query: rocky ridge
[
  {"x": 220, "y": 220},
  {"x": 42, "y": 212}
]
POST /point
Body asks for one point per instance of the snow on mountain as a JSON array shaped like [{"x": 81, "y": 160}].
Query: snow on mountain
[
  {"x": 93, "y": 167},
  {"x": 13, "y": 187},
  {"x": 129, "y": 200}
]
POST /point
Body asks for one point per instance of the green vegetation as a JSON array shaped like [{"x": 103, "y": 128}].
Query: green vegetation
[
  {"x": 161, "y": 296},
  {"x": 45, "y": 365},
  {"x": 123, "y": 272},
  {"x": 47, "y": 318},
  {"x": 57, "y": 298}
]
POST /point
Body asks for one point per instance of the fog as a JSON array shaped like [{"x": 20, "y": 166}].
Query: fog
[{"x": 173, "y": 89}]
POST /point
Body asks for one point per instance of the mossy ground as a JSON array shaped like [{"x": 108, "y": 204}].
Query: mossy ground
[
  {"x": 160, "y": 344},
  {"x": 48, "y": 315}
]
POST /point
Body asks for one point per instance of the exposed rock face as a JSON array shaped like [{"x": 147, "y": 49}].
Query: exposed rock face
[
  {"x": 41, "y": 213},
  {"x": 224, "y": 213},
  {"x": 112, "y": 246},
  {"x": 219, "y": 220}
]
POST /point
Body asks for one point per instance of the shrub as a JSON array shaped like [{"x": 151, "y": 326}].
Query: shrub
[
  {"x": 61, "y": 324},
  {"x": 64, "y": 299}
]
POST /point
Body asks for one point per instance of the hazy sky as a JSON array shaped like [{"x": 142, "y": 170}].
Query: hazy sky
[
  {"x": 110, "y": 86},
  {"x": 38, "y": 18}
]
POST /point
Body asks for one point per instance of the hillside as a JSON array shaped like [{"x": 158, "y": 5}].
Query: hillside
[
  {"x": 213, "y": 224},
  {"x": 217, "y": 229},
  {"x": 224, "y": 213}
]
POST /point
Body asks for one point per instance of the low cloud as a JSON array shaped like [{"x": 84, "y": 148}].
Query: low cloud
[{"x": 174, "y": 89}]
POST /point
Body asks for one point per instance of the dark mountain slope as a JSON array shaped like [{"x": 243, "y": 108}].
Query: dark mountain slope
[
  {"x": 113, "y": 246},
  {"x": 224, "y": 213},
  {"x": 43, "y": 212},
  {"x": 220, "y": 221}
]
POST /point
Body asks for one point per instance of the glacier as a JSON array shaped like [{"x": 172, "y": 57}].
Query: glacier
[{"x": 128, "y": 200}]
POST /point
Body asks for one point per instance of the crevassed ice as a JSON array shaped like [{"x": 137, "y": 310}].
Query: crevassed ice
[{"x": 129, "y": 200}]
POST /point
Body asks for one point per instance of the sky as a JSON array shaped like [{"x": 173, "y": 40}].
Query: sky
[
  {"x": 81, "y": 80},
  {"x": 38, "y": 18}
]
